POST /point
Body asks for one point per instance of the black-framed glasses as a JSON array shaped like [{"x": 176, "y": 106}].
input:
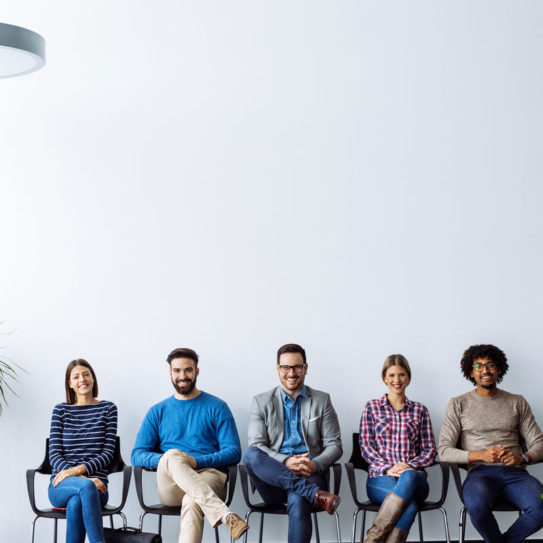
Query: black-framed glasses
[
  {"x": 296, "y": 368},
  {"x": 489, "y": 366}
]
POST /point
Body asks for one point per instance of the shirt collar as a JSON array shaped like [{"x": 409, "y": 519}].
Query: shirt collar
[
  {"x": 286, "y": 397},
  {"x": 383, "y": 402}
]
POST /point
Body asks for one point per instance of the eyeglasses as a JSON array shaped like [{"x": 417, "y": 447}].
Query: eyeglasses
[
  {"x": 479, "y": 367},
  {"x": 296, "y": 368}
]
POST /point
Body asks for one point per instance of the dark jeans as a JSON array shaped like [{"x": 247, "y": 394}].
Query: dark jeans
[
  {"x": 485, "y": 485},
  {"x": 277, "y": 484},
  {"x": 411, "y": 486}
]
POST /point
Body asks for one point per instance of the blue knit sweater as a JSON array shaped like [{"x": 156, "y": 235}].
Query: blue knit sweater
[{"x": 202, "y": 427}]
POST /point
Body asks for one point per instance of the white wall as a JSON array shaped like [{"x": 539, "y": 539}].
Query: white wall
[{"x": 359, "y": 177}]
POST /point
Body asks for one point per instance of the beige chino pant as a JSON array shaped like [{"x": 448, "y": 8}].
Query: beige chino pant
[{"x": 199, "y": 492}]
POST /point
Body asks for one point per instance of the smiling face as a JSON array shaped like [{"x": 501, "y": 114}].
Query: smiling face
[
  {"x": 81, "y": 382},
  {"x": 291, "y": 370},
  {"x": 396, "y": 379},
  {"x": 184, "y": 372},
  {"x": 485, "y": 373}
]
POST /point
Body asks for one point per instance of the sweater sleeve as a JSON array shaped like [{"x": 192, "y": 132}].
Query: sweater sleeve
[
  {"x": 530, "y": 431},
  {"x": 101, "y": 461},
  {"x": 229, "y": 450},
  {"x": 56, "y": 448},
  {"x": 368, "y": 446},
  {"x": 427, "y": 443},
  {"x": 451, "y": 429},
  {"x": 144, "y": 452}
]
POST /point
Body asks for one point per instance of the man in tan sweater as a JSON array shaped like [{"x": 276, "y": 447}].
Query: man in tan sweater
[{"x": 483, "y": 428}]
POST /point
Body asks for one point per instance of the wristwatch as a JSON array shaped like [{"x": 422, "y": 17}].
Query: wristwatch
[{"x": 524, "y": 459}]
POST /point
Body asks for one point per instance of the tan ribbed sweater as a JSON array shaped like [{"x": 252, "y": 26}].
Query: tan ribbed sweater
[{"x": 475, "y": 423}]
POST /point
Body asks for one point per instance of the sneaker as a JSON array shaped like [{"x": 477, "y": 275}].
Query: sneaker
[
  {"x": 236, "y": 525},
  {"x": 327, "y": 501}
]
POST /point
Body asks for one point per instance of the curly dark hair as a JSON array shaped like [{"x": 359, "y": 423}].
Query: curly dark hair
[{"x": 483, "y": 351}]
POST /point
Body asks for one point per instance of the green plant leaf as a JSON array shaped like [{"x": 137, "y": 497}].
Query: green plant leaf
[{"x": 8, "y": 375}]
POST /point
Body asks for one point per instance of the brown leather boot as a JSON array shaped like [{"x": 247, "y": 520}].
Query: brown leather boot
[
  {"x": 327, "y": 501},
  {"x": 390, "y": 511},
  {"x": 397, "y": 536}
]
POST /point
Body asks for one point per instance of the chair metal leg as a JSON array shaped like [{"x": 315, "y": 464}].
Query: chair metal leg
[
  {"x": 56, "y": 530},
  {"x": 355, "y": 517},
  {"x": 421, "y": 536},
  {"x": 462, "y": 525},
  {"x": 216, "y": 529},
  {"x": 338, "y": 529},
  {"x": 141, "y": 520},
  {"x": 446, "y": 523},
  {"x": 261, "y": 528},
  {"x": 363, "y": 526},
  {"x": 123, "y": 516},
  {"x": 34, "y": 527},
  {"x": 159, "y": 524},
  {"x": 249, "y": 513},
  {"x": 316, "y": 524},
  {"x": 111, "y": 521}
]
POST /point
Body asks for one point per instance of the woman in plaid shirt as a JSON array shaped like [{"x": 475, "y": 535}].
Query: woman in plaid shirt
[{"x": 397, "y": 440}]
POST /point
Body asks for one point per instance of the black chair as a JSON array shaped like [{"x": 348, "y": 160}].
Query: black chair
[
  {"x": 281, "y": 509},
  {"x": 357, "y": 462},
  {"x": 117, "y": 465},
  {"x": 166, "y": 510}
]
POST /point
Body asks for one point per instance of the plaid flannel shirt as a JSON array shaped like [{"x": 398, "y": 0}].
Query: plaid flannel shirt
[{"x": 388, "y": 436}]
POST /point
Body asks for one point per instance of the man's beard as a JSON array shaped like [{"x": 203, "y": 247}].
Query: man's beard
[
  {"x": 489, "y": 386},
  {"x": 184, "y": 388}
]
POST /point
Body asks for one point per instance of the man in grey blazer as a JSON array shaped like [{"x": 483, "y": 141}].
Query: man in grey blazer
[{"x": 294, "y": 438}]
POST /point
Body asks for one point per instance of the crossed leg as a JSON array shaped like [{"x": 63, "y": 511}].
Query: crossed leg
[{"x": 199, "y": 492}]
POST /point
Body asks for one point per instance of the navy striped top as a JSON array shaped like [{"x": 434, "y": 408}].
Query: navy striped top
[{"x": 83, "y": 434}]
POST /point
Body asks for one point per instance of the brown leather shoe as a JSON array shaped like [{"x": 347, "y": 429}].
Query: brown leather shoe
[
  {"x": 236, "y": 525},
  {"x": 327, "y": 501}
]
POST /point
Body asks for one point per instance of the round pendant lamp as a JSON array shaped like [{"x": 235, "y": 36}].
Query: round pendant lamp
[{"x": 21, "y": 51}]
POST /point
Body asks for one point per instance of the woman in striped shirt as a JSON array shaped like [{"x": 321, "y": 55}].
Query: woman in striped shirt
[
  {"x": 397, "y": 440},
  {"x": 81, "y": 447}
]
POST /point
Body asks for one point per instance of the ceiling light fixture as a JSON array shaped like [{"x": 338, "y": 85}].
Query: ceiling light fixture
[{"x": 21, "y": 51}]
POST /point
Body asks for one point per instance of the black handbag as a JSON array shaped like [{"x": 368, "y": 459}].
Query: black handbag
[{"x": 129, "y": 535}]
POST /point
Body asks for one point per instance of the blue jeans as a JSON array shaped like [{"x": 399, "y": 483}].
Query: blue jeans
[
  {"x": 83, "y": 502},
  {"x": 412, "y": 486},
  {"x": 485, "y": 485},
  {"x": 277, "y": 485}
]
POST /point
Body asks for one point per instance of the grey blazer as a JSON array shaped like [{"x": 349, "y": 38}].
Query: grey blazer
[{"x": 320, "y": 426}]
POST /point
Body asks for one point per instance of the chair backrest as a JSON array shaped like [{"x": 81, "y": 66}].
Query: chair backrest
[
  {"x": 117, "y": 464},
  {"x": 45, "y": 466},
  {"x": 356, "y": 456}
]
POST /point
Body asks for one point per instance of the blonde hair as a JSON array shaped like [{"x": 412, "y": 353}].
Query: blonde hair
[{"x": 395, "y": 360}]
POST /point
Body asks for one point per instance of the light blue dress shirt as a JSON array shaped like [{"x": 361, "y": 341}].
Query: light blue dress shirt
[{"x": 293, "y": 437}]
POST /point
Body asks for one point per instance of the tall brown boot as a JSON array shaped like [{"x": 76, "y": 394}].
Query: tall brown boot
[
  {"x": 397, "y": 536},
  {"x": 390, "y": 511}
]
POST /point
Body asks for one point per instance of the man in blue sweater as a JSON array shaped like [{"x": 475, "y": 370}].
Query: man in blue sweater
[{"x": 190, "y": 438}]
